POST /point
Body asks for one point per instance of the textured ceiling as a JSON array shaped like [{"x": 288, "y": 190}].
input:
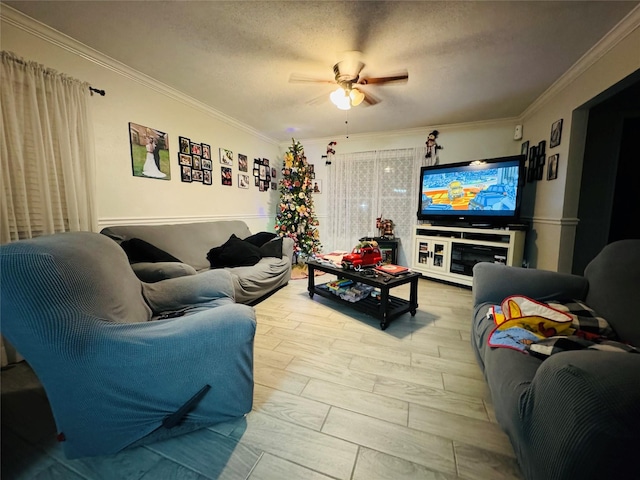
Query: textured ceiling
[{"x": 467, "y": 61}]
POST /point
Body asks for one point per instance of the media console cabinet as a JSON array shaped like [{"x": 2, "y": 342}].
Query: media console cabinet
[{"x": 449, "y": 253}]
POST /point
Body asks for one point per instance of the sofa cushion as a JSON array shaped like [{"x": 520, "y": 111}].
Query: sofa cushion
[
  {"x": 234, "y": 252},
  {"x": 138, "y": 250},
  {"x": 260, "y": 238},
  {"x": 272, "y": 248}
]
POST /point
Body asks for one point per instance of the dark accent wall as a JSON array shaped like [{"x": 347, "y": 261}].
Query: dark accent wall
[{"x": 609, "y": 205}]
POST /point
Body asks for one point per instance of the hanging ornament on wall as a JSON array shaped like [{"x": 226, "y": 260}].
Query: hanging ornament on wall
[{"x": 433, "y": 147}]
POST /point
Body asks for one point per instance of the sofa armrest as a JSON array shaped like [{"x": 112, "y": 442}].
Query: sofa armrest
[
  {"x": 579, "y": 417},
  {"x": 207, "y": 289},
  {"x": 154, "y": 272},
  {"x": 494, "y": 282},
  {"x": 287, "y": 248}
]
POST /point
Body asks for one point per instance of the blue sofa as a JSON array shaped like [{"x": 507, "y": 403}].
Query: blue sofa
[
  {"x": 576, "y": 414},
  {"x": 124, "y": 362}
]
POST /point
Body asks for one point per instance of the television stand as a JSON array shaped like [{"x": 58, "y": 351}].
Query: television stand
[{"x": 449, "y": 253}]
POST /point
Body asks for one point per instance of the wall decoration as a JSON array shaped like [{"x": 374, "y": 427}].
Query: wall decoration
[
  {"x": 226, "y": 157},
  {"x": 149, "y": 152},
  {"x": 185, "y": 145},
  {"x": 273, "y": 172},
  {"x": 256, "y": 181},
  {"x": 207, "y": 177},
  {"x": 184, "y": 159},
  {"x": 556, "y": 134},
  {"x": 197, "y": 175},
  {"x": 274, "y": 185},
  {"x": 531, "y": 166},
  {"x": 206, "y": 151},
  {"x": 552, "y": 169},
  {"x": 243, "y": 180},
  {"x": 262, "y": 173},
  {"x": 186, "y": 173},
  {"x": 242, "y": 163},
  {"x": 225, "y": 175},
  {"x": 192, "y": 159},
  {"x": 317, "y": 186},
  {"x": 524, "y": 149}
]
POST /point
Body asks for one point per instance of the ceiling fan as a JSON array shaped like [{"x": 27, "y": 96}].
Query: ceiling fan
[{"x": 347, "y": 77}]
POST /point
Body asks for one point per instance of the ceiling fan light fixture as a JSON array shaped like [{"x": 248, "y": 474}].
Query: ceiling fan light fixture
[
  {"x": 340, "y": 99},
  {"x": 356, "y": 97}
]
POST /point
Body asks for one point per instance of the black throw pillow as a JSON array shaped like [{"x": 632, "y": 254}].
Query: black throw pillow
[
  {"x": 234, "y": 253},
  {"x": 260, "y": 238},
  {"x": 272, "y": 248},
  {"x": 138, "y": 250}
]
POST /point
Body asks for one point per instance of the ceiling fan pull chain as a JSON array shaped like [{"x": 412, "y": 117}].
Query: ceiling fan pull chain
[{"x": 346, "y": 122}]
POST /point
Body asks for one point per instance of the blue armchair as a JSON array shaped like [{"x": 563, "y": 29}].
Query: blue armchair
[{"x": 124, "y": 362}]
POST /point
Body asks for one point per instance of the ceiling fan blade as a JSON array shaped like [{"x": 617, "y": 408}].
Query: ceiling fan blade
[
  {"x": 369, "y": 99},
  {"x": 400, "y": 77},
  {"x": 298, "y": 78}
]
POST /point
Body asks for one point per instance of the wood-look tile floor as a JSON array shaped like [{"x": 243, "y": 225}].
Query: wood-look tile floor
[{"x": 335, "y": 398}]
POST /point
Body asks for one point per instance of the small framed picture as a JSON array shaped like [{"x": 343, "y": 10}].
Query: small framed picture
[
  {"x": 184, "y": 159},
  {"x": 226, "y": 157},
  {"x": 186, "y": 173},
  {"x": 196, "y": 162},
  {"x": 197, "y": 175},
  {"x": 274, "y": 186},
  {"x": 206, "y": 164},
  {"x": 541, "y": 147},
  {"x": 225, "y": 174},
  {"x": 185, "y": 145},
  {"x": 552, "y": 169},
  {"x": 273, "y": 172},
  {"x": 257, "y": 181},
  {"x": 265, "y": 162},
  {"x": 312, "y": 168},
  {"x": 556, "y": 134},
  {"x": 196, "y": 149},
  {"x": 524, "y": 149},
  {"x": 243, "y": 166},
  {"x": 206, "y": 151},
  {"x": 317, "y": 186},
  {"x": 206, "y": 177},
  {"x": 243, "y": 180}
]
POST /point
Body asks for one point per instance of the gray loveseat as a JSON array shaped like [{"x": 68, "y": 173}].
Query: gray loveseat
[
  {"x": 190, "y": 243},
  {"x": 575, "y": 415}
]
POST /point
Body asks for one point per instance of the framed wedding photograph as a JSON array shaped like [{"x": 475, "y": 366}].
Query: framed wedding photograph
[
  {"x": 556, "y": 133},
  {"x": 552, "y": 169},
  {"x": 149, "y": 152}
]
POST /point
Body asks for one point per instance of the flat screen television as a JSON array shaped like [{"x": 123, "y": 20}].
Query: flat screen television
[{"x": 483, "y": 192}]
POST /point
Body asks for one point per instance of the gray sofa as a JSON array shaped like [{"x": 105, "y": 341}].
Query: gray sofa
[
  {"x": 576, "y": 414},
  {"x": 190, "y": 243},
  {"x": 123, "y": 362}
]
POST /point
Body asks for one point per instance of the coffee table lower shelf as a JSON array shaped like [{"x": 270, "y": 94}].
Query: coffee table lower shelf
[{"x": 385, "y": 308}]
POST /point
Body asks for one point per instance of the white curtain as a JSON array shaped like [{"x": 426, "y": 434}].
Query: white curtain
[
  {"x": 46, "y": 155},
  {"x": 365, "y": 185}
]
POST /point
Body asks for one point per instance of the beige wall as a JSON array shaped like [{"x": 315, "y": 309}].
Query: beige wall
[
  {"x": 131, "y": 97},
  {"x": 121, "y": 197},
  {"x": 554, "y": 204}
]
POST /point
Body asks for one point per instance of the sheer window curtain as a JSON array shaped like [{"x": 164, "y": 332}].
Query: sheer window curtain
[
  {"x": 46, "y": 153},
  {"x": 362, "y": 186}
]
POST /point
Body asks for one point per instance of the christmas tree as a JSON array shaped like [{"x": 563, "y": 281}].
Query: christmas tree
[{"x": 296, "y": 217}]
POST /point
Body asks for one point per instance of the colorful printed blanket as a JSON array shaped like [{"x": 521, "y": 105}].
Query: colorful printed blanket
[{"x": 543, "y": 329}]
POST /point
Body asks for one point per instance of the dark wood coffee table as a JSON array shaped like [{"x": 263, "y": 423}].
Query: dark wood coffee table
[{"x": 386, "y": 308}]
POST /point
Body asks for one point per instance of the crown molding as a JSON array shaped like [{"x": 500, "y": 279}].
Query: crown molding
[
  {"x": 624, "y": 28},
  {"x": 511, "y": 121},
  {"x": 38, "y": 29}
]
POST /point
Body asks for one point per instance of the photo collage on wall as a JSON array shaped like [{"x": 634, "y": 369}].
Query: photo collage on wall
[
  {"x": 195, "y": 161},
  {"x": 264, "y": 176},
  {"x": 536, "y": 155}
]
